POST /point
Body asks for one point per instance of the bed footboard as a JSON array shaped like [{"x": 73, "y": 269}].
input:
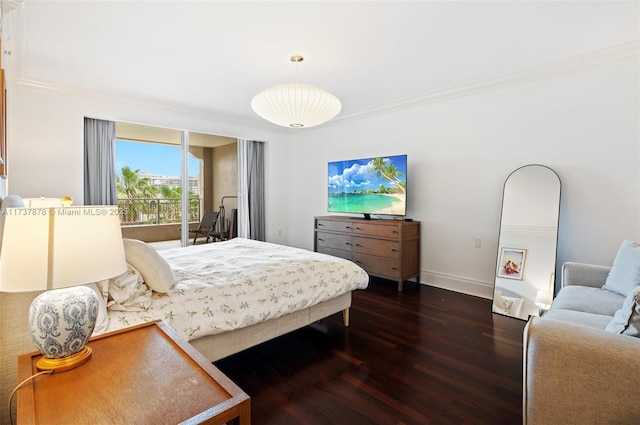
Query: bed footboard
[{"x": 218, "y": 346}]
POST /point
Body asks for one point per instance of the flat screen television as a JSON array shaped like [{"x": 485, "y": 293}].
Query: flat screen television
[{"x": 376, "y": 185}]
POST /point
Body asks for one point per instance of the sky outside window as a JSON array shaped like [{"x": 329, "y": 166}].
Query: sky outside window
[{"x": 153, "y": 158}]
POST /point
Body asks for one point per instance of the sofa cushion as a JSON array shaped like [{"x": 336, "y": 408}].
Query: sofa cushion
[
  {"x": 627, "y": 319},
  {"x": 591, "y": 320},
  {"x": 625, "y": 272},
  {"x": 588, "y": 299}
]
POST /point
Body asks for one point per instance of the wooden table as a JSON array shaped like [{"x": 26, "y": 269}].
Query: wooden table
[{"x": 146, "y": 374}]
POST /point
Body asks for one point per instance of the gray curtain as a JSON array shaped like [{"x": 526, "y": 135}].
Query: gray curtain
[
  {"x": 99, "y": 162},
  {"x": 251, "y": 207}
]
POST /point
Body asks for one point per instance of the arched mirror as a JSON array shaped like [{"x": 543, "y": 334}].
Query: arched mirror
[{"x": 525, "y": 270}]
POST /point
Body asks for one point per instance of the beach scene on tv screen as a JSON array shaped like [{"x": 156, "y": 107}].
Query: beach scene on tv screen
[{"x": 370, "y": 185}]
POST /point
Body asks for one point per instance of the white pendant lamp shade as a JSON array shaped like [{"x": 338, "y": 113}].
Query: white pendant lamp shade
[{"x": 296, "y": 105}]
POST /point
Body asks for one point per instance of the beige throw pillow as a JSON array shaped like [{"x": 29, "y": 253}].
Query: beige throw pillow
[{"x": 155, "y": 270}]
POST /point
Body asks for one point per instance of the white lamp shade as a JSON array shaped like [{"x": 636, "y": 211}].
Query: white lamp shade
[
  {"x": 48, "y": 248},
  {"x": 296, "y": 105},
  {"x": 24, "y": 250}
]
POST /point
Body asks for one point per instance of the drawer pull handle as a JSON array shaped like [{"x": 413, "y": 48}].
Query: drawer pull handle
[
  {"x": 396, "y": 232},
  {"x": 348, "y": 227},
  {"x": 320, "y": 225},
  {"x": 394, "y": 250},
  {"x": 320, "y": 240},
  {"x": 347, "y": 243},
  {"x": 394, "y": 268}
]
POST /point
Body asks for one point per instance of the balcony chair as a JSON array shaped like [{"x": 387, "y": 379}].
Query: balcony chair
[
  {"x": 226, "y": 228},
  {"x": 206, "y": 227}
]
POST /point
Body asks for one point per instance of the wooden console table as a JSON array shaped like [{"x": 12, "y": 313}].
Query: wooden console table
[
  {"x": 146, "y": 374},
  {"x": 383, "y": 248}
]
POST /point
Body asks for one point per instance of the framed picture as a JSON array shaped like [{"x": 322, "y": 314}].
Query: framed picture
[{"x": 511, "y": 264}]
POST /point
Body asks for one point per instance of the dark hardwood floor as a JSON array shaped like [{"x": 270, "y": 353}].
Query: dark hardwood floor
[{"x": 423, "y": 356}]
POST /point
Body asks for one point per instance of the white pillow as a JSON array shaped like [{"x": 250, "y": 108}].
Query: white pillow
[
  {"x": 155, "y": 270},
  {"x": 102, "y": 321},
  {"x": 128, "y": 292}
]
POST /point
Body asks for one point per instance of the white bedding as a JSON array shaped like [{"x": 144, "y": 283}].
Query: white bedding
[{"x": 223, "y": 286}]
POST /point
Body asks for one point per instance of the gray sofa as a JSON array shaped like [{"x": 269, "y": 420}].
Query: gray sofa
[{"x": 580, "y": 361}]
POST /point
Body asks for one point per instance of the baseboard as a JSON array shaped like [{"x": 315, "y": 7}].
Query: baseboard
[{"x": 458, "y": 284}]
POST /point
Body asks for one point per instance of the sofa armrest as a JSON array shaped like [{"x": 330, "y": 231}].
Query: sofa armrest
[
  {"x": 579, "y": 375},
  {"x": 584, "y": 274}
]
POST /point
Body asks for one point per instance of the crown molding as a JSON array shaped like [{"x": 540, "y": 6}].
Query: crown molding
[
  {"x": 619, "y": 53},
  {"x": 9, "y": 5},
  {"x": 163, "y": 105}
]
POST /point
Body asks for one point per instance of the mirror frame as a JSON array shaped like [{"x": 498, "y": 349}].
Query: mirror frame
[{"x": 542, "y": 299}]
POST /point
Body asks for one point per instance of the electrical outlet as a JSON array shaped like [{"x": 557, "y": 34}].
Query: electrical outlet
[{"x": 477, "y": 242}]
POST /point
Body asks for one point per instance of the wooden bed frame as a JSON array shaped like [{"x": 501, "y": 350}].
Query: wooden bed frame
[{"x": 16, "y": 340}]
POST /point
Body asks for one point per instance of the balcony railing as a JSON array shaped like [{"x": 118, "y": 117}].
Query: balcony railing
[{"x": 141, "y": 211}]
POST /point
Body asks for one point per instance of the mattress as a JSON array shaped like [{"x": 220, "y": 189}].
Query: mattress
[{"x": 229, "y": 285}]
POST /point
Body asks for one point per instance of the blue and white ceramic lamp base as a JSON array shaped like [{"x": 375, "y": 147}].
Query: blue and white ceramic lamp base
[{"x": 61, "y": 322}]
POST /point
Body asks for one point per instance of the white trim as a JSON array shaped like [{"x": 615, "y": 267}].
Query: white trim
[
  {"x": 9, "y": 5},
  {"x": 569, "y": 65},
  {"x": 183, "y": 109},
  {"x": 458, "y": 284}
]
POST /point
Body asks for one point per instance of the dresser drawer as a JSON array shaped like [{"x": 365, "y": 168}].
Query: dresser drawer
[
  {"x": 335, "y": 252},
  {"x": 385, "y": 248},
  {"x": 334, "y": 225},
  {"x": 377, "y": 247},
  {"x": 378, "y": 266},
  {"x": 385, "y": 231},
  {"x": 334, "y": 241}
]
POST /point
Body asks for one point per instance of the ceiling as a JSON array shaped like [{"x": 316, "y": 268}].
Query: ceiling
[
  {"x": 212, "y": 57},
  {"x": 152, "y": 134}
]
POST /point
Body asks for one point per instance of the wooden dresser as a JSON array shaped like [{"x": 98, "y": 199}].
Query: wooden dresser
[{"x": 385, "y": 248}]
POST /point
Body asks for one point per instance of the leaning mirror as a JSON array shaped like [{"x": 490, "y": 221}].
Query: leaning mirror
[{"x": 525, "y": 269}]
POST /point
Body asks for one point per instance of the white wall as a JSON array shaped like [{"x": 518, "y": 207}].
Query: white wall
[
  {"x": 46, "y": 132},
  {"x": 583, "y": 123}
]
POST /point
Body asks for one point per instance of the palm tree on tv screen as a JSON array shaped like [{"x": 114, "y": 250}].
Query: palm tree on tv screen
[{"x": 389, "y": 172}]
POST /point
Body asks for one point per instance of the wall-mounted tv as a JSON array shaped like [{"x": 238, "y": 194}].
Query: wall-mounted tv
[{"x": 376, "y": 185}]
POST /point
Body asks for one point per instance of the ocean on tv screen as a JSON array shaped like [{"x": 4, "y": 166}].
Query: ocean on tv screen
[{"x": 367, "y": 203}]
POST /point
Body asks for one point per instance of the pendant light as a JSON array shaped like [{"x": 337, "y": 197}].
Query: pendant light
[{"x": 296, "y": 105}]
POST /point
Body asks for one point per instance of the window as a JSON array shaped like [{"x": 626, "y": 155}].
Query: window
[{"x": 149, "y": 184}]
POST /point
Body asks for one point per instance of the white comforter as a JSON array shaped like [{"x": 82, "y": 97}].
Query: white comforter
[{"x": 228, "y": 285}]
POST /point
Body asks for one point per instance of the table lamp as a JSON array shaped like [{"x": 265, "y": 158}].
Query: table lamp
[
  {"x": 545, "y": 298},
  {"x": 52, "y": 248}
]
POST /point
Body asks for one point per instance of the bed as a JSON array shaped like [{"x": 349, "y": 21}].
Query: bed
[
  {"x": 231, "y": 295},
  {"x": 225, "y": 297}
]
